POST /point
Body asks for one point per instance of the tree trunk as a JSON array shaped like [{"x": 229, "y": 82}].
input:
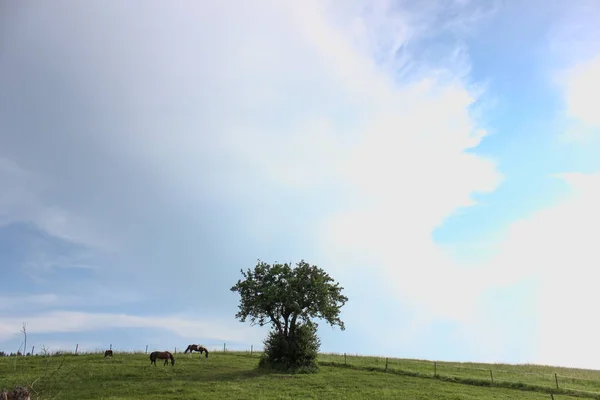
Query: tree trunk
[
  {"x": 287, "y": 329},
  {"x": 293, "y": 325},
  {"x": 277, "y": 323}
]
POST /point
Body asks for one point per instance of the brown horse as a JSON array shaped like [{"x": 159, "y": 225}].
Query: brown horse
[
  {"x": 20, "y": 393},
  {"x": 108, "y": 353},
  {"x": 196, "y": 347},
  {"x": 162, "y": 355}
]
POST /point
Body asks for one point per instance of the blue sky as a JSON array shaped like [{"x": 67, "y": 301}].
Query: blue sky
[{"x": 437, "y": 158}]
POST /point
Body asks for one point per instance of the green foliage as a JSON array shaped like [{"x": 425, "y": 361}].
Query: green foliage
[
  {"x": 289, "y": 299},
  {"x": 283, "y": 296},
  {"x": 294, "y": 354}
]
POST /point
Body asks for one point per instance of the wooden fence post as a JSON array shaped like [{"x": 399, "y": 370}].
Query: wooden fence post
[
  {"x": 386, "y": 364},
  {"x": 76, "y": 347},
  {"x": 492, "y": 376},
  {"x": 251, "y": 346},
  {"x": 175, "y": 352},
  {"x": 223, "y": 347},
  {"x": 32, "y": 349},
  {"x": 146, "y": 351},
  {"x": 556, "y": 379},
  {"x": 435, "y": 369},
  {"x": 345, "y": 359},
  {"x": 111, "y": 346}
]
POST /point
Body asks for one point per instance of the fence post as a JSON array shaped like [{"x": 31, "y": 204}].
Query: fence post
[
  {"x": 32, "y": 349},
  {"x": 76, "y": 347},
  {"x": 434, "y": 369},
  {"x": 175, "y": 352},
  {"x": 251, "y": 346},
  {"x": 223, "y": 347},
  {"x": 556, "y": 379},
  {"x": 146, "y": 351},
  {"x": 386, "y": 364},
  {"x": 344, "y": 358},
  {"x": 111, "y": 346},
  {"x": 492, "y": 376}
]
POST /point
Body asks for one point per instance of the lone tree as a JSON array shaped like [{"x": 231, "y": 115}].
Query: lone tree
[{"x": 289, "y": 299}]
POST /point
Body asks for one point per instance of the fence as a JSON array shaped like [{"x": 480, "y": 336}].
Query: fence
[
  {"x": 221, "y": 347},
  {"x": 492, "y": 374},
  {"x": 518, "y": 376}
]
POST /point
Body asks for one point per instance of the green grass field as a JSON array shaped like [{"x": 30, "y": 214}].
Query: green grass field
[
  {"x": 503, "y": 374},
  {"x": 235, "y": 376}
]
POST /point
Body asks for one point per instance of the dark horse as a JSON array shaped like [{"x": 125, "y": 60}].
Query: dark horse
[
  {"x": 196, "y": 347},
  {"x": 108, "y": 353},
  {"x": 162, "y": 355}
]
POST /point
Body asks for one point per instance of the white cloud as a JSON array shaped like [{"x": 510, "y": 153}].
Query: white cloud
[
  {"x": 89, "y": 296},
  {"x": 557, "y": 248},
  {"x": 412, "y": 172},
  {"x": 576, "y": 43},
  {"x": 583, "y": 91},
  {"x": 301, "y": 99},
  {"x": 218, "y": 109},
  {"x": 582, "y": 94},
  {"x": 403, "y": 154},
  {"x": 183, "y": 326}
]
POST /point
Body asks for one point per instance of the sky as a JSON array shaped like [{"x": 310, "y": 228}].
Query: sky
[{"x": 437, "y": 158}]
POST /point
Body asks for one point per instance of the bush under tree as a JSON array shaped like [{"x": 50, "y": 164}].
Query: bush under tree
[{"x": 289, "y": 299}]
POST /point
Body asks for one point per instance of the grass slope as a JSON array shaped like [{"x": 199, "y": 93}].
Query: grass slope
[
  {"x": 526, "y": 376},
  {"x": 223, "y": 376}
]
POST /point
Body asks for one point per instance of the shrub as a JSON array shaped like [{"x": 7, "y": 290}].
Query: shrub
[{"x": 297, "y": 353}]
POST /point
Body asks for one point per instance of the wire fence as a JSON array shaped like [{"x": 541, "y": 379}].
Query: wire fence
[
  {"x": 554, "y": 378},
  {"x": 75, "y": 350},
  {"x": 512, "y": 375}
]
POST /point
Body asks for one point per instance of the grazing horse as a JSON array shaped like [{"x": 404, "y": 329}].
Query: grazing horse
[
  {"x": 108, "y": 353},
  {"x": 162, "y": 355},
  {"x": 20, "y": 393},
  {"x": 196, "y": 347}
]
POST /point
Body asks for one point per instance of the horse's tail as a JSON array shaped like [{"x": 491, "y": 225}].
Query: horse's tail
[
  {"x": 206, "y": 352},
  {"x": 188, "y": 349}
]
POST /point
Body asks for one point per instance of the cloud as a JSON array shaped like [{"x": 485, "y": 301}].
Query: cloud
[
  {"x": 187, "y": 152},
  {"x": 555, "y": 249},
  {"x": 90, "y": 296},
  {"x": 183, "y": 326},
  {"x": 575, "y": 41},
  {"x": 583, "y": 88},
  {"x": 410, "y": 173},
  {"x": 581, "y": 85}
]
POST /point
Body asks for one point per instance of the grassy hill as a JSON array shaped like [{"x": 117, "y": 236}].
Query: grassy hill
[
  {"x": 526, "y": 376},
  {"x": 235, "y": 376}
]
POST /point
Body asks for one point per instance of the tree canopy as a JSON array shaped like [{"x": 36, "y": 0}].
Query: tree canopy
[{"x": 287, "y": 296}]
